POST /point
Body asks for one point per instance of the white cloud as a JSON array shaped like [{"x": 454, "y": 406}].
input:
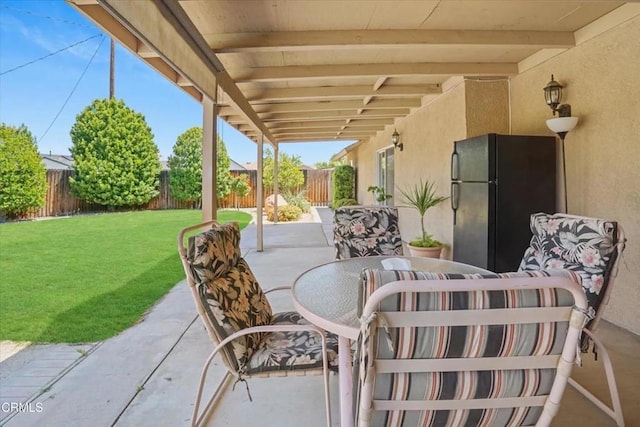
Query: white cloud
[{"x": 50, "y": 37}]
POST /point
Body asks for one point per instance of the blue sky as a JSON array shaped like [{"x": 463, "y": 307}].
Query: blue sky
[{"x": 33, "y": 95}]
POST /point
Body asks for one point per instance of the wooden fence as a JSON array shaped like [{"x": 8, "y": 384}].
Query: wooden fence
[
  {"x": 59, "y": 200},
  {"x": 317, "y": 185}
]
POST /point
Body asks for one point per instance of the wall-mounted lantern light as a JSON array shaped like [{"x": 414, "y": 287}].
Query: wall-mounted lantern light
[
  {"x": 561, "y": 124},
  {"x": 395, "y": 140}
]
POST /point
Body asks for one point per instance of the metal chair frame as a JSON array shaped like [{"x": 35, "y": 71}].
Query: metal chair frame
[
  {"x": 563, "y": 363},
  {"x": 615, "y": 410},
  {"x": 198, "y": 416}
]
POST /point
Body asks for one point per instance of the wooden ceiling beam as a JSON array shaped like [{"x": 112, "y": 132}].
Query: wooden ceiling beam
[
  {"x": 316, "y": 139},
  {"x": 266, "y": 74},
  {"x": 334, "y": 114},
  {"x": 274, "y": 126},
  {"x": 338, "y": 92},
  {"x": 335, "y": 105},
  {"x": 376, "y": 39},
  {"x": 344, "y": 132},
  {"x": 233, "y": 119},
  {"x": 363, "y": 129},
  {"x": 182, "y": 82},
  {"x": 326, "y": 136},
  {"x": 145, "y": 51},
  {"x": 378, "y": 84}
]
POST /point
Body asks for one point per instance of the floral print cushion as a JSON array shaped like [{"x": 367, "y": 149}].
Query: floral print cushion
[
  {"x": 366, "y": 231},
  {"x": 583, "y": 245},
  {"x": 289, "y": 350},
  {"x": 215, "y": 251},
  {"x": 231, "y": 296}
]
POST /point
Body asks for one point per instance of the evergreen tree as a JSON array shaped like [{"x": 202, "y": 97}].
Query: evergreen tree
[
  {"x": 185, "y": 167},
  {"x": 185, "y": 176},
  {"x": 115, "y": 159},
  {"x": 23, "y": 178},
  {"x": 223, "y": 175}
]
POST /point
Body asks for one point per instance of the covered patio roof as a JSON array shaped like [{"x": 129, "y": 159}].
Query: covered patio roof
[{"x": 301, "y": 71}]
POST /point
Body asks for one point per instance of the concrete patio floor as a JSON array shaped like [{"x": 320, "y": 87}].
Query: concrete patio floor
[{"x": 147, "y": 375}]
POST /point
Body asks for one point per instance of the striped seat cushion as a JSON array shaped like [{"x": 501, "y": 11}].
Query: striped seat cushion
[{"x": 463, "y": 342}]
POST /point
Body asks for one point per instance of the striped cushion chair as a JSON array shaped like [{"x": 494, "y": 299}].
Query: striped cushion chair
[
  {"x": 251, "y": 340},
  {"x": 360, "y": 231},
  {"x": 480, "y": 350}
]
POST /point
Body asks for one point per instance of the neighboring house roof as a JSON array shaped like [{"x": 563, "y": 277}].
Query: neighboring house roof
[
  {"x": 62, "y": 161},
  {"x": 235, "y": 166},
  {"x": 251, "y": 166},
  {"x": 57, "y": 161}
]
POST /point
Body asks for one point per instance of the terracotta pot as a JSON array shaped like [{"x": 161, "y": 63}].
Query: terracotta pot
[{"x": 425, "y": 252}]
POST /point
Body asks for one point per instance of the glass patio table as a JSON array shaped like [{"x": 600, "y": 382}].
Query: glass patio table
[{"x": 327, "y": 296}]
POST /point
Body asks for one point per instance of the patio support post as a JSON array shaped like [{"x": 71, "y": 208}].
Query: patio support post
[
  {"x": 259, "y": 196},
  {"x": 275, "y": 183},
  {"x": 209, "y": 160}
]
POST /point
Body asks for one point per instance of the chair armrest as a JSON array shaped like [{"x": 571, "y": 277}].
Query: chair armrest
[
  {"x": 277, "y": 288},
  {"x": 268, "y": 328}
]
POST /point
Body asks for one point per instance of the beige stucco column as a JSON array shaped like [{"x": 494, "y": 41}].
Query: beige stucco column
[
  {"x": 259, "y": 196},
  {"x": 209, "y": 159}
]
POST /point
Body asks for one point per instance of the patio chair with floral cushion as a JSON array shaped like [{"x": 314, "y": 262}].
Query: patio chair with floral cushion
[
  {"x": 441, "y": 349},
  {"x": 592, "y": 248},
  {"x": 251, "y": 340},
  {"x": 360, "y": 231}
]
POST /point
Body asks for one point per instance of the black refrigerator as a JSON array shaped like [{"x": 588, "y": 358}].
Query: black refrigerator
[{"x": 497, "y": 182}]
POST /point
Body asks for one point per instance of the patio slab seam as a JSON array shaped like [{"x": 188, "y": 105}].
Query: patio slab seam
[
  {"x": 41, "y": 389},
  {"x": 154, "y": 370}
]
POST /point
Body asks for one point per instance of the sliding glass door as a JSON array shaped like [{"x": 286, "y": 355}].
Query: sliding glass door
[{"x": 385, "y": 172}]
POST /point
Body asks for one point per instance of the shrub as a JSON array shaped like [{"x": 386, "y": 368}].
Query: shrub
[
  {"x": 343, "y": 184},
  {"x": 285, "y": 213},
  {"x": 23, "y": 178},
  {"x": 115, "y": 159},
  {"x": 344, "y": 202},
  {"x": 298, "y": 199}
]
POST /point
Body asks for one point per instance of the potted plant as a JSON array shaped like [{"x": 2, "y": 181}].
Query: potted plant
[
  {"x": 421, "y": 197},
  {"x": 379, "y": 194}
]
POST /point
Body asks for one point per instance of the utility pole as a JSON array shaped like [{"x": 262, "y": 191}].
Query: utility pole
[{"x": 111, "y": 70}]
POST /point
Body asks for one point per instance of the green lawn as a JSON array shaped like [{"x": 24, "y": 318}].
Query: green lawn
[{"x": 86, "y": 278}]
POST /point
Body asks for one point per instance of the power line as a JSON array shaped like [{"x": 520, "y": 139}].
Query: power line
[
  {"x": 73, "y": 90},
  {"x": 51, "y": 54},
  {"x": 64, "y": 21}
]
